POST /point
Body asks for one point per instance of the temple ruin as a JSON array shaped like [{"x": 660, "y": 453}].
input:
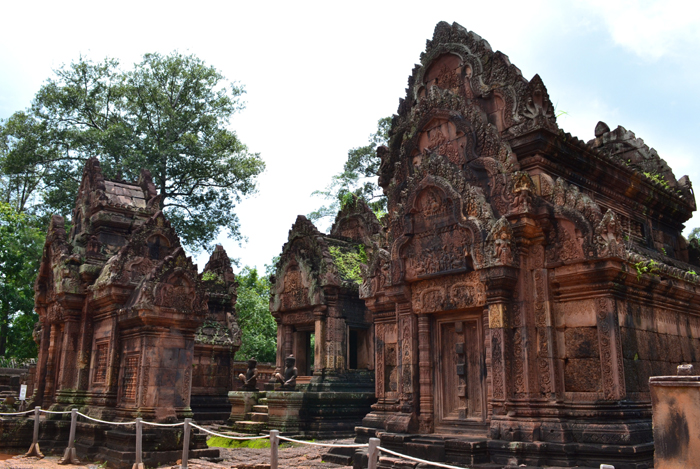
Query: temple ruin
[
  {"x": 324, "y": 326},
  {"x": 128, "y": 325},
  {"x": 530, "y": 283}
]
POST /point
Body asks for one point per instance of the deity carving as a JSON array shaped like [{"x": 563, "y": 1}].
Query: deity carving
[
  {"x": 288, "y": 381},
  {"x": 249, "y": 380}
]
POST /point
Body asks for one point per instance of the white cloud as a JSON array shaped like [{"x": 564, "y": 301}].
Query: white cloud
[{"x": 650, "y": 29}]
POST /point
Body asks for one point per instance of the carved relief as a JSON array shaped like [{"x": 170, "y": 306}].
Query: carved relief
[
  {"x": 442, "y": 137},
  {"x": 518, "y": 362},
  {"x": 608, "y": 236},
  {"x": 499, "y": 243},
  {"x": 295, "y": 293},
  {"x": 604, "y": 340},
  {"x": 497, "y": 363},
  {"x": 406, "y": 355},
  {"x": 440, "y": 251},
  {"x": 444, "y": 294}
]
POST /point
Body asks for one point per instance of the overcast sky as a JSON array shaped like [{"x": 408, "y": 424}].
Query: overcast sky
[{"x": 319, "y": 75}]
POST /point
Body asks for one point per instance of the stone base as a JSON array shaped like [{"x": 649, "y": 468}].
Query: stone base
[
  {"x": 454, "y": 449},
  {"x": 322, "y": 415},
  {"x": 210, "y": 408}
]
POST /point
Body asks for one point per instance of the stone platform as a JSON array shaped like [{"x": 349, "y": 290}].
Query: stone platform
[
  {"x": 310, "y": 414},
  {"x": 485, "y": 452}
]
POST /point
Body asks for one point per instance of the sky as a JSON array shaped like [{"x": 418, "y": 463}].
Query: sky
[{"x": 318, "y": 75}]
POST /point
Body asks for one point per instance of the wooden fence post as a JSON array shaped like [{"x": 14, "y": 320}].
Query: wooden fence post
[
  {"x": 274, "y": 448},
  {"x": 70, "y": 456},
  {"x": 34, "y": 449},
  {"x": 373, "y": 453},
  {"x": 186, "y": 444},
  {"x": 138, "y": 463}
]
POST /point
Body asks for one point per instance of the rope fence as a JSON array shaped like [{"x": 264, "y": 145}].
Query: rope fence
[{"x": 70, "y": 455}]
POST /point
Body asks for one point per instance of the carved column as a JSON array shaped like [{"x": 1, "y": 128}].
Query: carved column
[
  {"x": 51, "y": 364},
  {"x": 279, "y": 365},
  {"x": 69, "y": 364},
  {"x": 500, "y": 283},
  {"x": 320, "y": 335},
  {"x": 40, "y": 376},
  {"x": 426, "y": 418},
  {"x": 611, "y": 364},
  {"x": 546, "y": 370},
  {"x": 288, "y": 343}
]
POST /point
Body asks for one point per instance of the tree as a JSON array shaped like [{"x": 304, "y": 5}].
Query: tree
[
  {"x": 694, "y": 234},
  {"x": 169, "y": 114},
  {"x": 21, "y": 243},
  {"x": 258, "y": 327},
  {"x": 358, "y": 178}
]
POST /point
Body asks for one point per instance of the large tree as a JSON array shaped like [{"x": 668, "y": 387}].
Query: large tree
[
  {"x": 358, "y": 178},
  {"x": 258, "y": 327},
  {"x": 169, "y": 114},
  {"x": 21, "y": 243}
]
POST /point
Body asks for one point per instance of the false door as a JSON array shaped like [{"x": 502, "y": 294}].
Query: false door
[{"x": 460, "y": 371}]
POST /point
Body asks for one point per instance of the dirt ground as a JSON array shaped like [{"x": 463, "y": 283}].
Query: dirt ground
[{"x": 295, "y": 457}]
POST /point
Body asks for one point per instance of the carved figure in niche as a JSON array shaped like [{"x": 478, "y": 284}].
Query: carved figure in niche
[
  {"x": 501, "y": 248},
  {"x": 250, "y": 378},
  {"x": 289, "y": 380},
  {"x": 609, "y": 237}
]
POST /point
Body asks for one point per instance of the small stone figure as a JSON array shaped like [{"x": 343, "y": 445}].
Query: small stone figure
[
  {"x": 250, "y": 378},
  {"x": 289, "y": 380}
]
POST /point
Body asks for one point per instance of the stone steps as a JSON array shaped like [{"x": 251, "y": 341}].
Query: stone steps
[
  {"x": 258, "y": 416},
  {"x": 249, "y": 426},
  {"x": 255, "y": 421}
]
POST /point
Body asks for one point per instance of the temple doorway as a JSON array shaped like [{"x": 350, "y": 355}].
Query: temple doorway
[
  {"x": 304, "y": 341},
  {"x": 459, "y": 370}
]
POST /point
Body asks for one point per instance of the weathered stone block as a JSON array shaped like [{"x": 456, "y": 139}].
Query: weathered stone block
[
  {"x": 581, "y": 342},
  {"x": 582, "y": 375}
]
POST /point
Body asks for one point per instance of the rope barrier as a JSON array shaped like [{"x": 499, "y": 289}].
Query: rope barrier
[
  {"x": 20, "y": 413},
  {"x": 447, "y": 466},
  {"x": 104, "y": 421},
  {"x": 228, "y": 436},
  {"x": 322, "y": 444},
  {"x": 163, "y": 424},
  {"x": 54, "y": 412}
]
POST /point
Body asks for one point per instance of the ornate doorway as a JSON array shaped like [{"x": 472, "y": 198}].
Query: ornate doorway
[{"x": 459, "y": 371}]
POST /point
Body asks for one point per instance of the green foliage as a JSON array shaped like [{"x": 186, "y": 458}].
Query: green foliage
[
  {"x": 650, "y": 267},
  {"x": 358, "y": 178},
  {"x": 21, "y": 243},
  {"x": 258, "y": 327},
  {"x": 694, "y": 234},
  {"x": 221, "y": 442},
  {"x": 657, "y": 178},
  {"x": 348, "y": 262},
  {"x": 210, "y": 277},
  {"x": 168, "y": 114}
]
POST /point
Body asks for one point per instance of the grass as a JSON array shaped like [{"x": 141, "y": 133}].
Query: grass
[{"x": 221, "y": 442}]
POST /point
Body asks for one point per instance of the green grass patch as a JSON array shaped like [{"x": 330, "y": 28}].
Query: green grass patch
[{"x": 220, "y": 442}]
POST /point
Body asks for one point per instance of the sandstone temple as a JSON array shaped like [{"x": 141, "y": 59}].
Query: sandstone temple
[
  {"x": 530, "y": 283},
  {"x": 128, "y": 327},
  {"x": 325, "y": 326}
]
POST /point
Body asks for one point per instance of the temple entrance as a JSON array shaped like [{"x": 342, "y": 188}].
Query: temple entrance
[
  {"x": 304, "y": 341},
  {"x": 459, "y": 372},
  {"x": 359, "y": 349}
]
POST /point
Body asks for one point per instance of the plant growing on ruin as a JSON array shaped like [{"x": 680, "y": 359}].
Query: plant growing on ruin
[
  {"x": 348, "y": 262},
  {"x": 650, "y": 267}
]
